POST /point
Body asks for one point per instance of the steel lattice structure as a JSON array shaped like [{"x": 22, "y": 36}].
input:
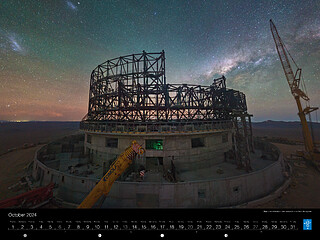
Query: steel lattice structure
[{"x": 133, "y": 88}]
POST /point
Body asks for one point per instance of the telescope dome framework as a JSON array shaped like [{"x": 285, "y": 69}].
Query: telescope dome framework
[{"x": 133, "y": 88}]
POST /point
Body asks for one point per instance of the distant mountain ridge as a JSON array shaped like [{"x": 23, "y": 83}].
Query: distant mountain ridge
[
  {"x": 281, "y": 124},
  {"x": 283, "y": 129},
  {"x": 13, "y": 134}
]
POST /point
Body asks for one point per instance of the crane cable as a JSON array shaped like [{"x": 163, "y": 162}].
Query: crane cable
[
  {"x": 317, "y": 123},
  {"x": 289, "y": 54},
  {"x": 304, "y": 88}
]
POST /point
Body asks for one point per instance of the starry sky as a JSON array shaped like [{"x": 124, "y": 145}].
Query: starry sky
[{"x": 48, "y": 50}]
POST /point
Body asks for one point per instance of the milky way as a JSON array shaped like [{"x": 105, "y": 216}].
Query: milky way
[{"x": 49, "y": 48}]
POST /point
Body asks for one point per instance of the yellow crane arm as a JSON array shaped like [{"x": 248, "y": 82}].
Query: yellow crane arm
[
  {"x": 294, "y": 82},
  {"x": 116, "y": 169}
]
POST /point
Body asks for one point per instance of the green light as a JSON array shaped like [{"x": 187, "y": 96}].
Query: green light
[{"x": 154, "y": 144}]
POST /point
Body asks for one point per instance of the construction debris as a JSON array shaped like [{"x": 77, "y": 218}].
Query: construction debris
[{"x": 300, "y": 164}]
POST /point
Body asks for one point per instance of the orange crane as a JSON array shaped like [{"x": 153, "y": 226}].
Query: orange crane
[
  {"x": 311, "y": 152},
  {"x": 116, "y": 169}
]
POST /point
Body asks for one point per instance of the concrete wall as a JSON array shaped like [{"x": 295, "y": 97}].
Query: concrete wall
[
  {"x": 175, "y": 146},
  {"x": 220, "y": 192},
  {"x": 211, "y": 193}
]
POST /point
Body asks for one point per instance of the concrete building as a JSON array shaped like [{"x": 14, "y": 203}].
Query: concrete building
[
  {"x": 200, "y": 151},
  {"x": 186, "y": 150}
]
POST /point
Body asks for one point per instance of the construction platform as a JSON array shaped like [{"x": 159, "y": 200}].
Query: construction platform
[{"x": 220, "y": 185}]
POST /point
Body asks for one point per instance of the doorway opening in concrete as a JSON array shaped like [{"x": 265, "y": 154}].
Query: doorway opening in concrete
[{"x": 153, "y": 163}]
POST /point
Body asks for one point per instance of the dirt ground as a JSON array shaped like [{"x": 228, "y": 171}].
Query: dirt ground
[
  {"x": 16, "y": 134},
  {"x": 303, "y": 192},
  {"x": 13, "y": 167}
]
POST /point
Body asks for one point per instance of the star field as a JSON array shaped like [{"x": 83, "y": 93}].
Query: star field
[{"x": 49, "y": 48}]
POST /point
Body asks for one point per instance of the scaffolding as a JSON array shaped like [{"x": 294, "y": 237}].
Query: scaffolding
[{"x": 130, "y": 94}]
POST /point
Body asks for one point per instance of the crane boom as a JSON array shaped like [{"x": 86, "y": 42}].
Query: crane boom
[
  {"x": 116, "y": 169},
  {"x": 283, "y": 56},
  {"x": 294, "y": 82},
  {"x": 292, "y": 79}
]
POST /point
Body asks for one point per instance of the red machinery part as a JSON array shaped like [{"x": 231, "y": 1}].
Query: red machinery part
[{"x": 30, "y": 198}]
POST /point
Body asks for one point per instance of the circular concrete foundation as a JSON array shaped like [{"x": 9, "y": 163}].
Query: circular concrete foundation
[{"x": 208, "y": 181}]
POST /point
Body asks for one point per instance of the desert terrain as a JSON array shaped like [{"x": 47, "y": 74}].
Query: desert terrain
[
  {"x": 23, "y": 139},
  {"x": 16, "y": 134},
  {"x": 281, "y": 129},
  {"x": 303, "y": 191},
  {"x": 18, "y": 143}
]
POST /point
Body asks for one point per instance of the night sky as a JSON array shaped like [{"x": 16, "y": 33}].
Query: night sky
[{"x": 48, "y": 50}]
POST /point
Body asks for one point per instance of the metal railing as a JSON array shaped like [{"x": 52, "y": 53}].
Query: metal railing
[{"x": 155, "y": 127}]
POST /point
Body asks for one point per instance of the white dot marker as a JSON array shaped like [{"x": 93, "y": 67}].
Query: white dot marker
[
  {"x": 25, "y": 235},
  {"x": 225, "y": 235},
  {"x": 99, "y": 235},
  {"x": 162, "y": 235}
]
